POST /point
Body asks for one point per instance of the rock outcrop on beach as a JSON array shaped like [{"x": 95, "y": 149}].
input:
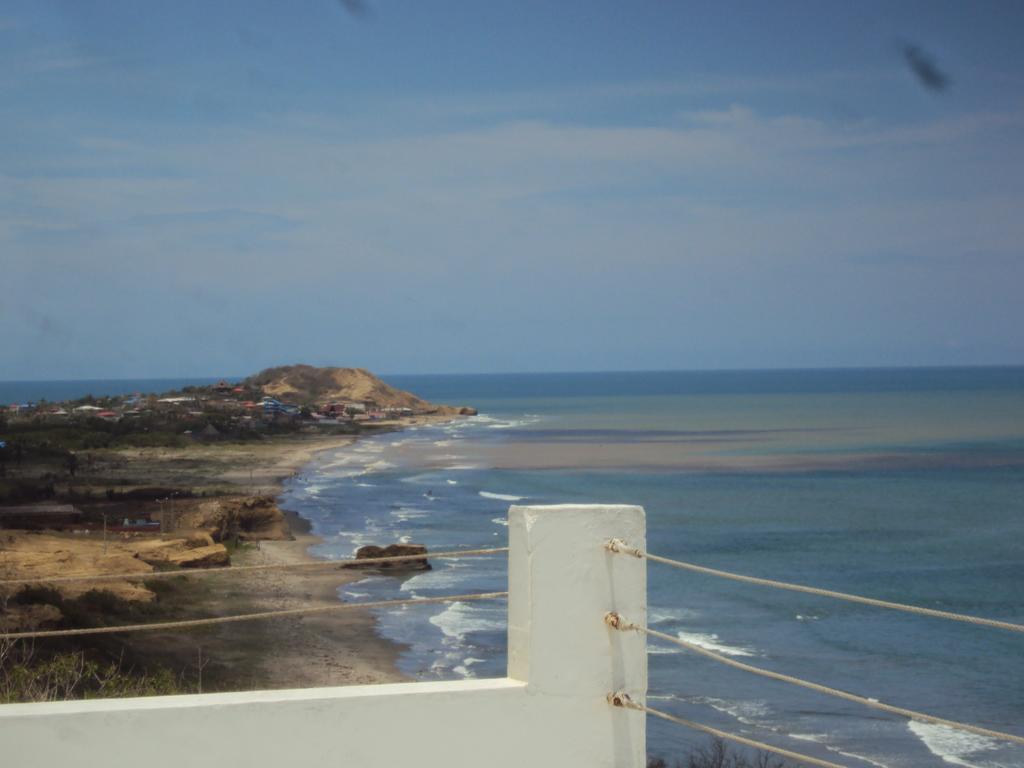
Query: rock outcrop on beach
[
  {"x": 309, "y": 384},
  {"x": 189, "y": 552},
  {"x": 395, "y": 550},
  {"x": 250, "y": 518}
]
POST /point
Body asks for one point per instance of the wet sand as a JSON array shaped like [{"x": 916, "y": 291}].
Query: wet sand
[{"x": 329, "y": 649}]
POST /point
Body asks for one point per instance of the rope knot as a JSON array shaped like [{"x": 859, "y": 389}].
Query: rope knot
[
  {"x": 620, "y": 547},
  {"x": 620, "y": 699}
]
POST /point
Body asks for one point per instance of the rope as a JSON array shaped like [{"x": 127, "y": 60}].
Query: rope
[
  {"x": 307, "y": 611},
  {"x": 339, "y": 564},
  {"x": 615, "y": 621},
  {"x": 617, "y": 546},
  {"x": 623, "y": 700}
]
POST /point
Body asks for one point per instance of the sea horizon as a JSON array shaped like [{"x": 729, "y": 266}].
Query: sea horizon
[
  {"x": 912, "y": 493},
  {"x": 55, "y": 390},
  {"x": 903, "y": 484}
]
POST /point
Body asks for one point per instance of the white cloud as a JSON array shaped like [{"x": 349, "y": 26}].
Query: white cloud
[{"x": 714, "y": 196}]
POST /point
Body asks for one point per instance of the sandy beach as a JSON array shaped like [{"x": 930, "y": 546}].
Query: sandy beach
[{"x": 328, "y": 649}]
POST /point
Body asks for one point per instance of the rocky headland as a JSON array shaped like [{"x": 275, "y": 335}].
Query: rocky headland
[{"x": 206, "y": 503}]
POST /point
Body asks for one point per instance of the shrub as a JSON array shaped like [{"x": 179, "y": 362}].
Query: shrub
[
  {"x": 717, "y": 754},
  {"x": 26, "y": 678}
]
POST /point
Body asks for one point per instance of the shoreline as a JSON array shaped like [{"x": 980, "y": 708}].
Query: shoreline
[
  {"x": 329, "y": 649},
  {"x": 359, "y": 654}
]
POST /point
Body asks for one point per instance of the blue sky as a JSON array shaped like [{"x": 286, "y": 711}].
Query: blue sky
[{"x": 199, "y": 188}]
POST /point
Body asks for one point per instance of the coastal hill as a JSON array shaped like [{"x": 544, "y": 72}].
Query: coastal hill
[{"x": 310, "y": 384}]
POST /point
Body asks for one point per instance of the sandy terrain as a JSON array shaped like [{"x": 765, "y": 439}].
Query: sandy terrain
[{"x": 330, "y": 649}]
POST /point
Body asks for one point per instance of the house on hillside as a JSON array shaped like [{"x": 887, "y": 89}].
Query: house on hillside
[
  {"x": 335, "y": 410},
  {"x": 172, "y": 403},
  {"x": 275, "y": 408}
]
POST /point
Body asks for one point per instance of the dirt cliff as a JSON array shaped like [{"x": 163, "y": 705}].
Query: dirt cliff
[
  {"x": 250, "y": 518},
  {"x": 309, "y": 384}
]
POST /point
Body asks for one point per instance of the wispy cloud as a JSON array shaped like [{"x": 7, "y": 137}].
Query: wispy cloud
[{"x": 766, "y": 208}]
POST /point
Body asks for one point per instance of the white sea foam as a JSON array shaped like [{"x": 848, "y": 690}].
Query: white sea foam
[
  {"x": 357, "y": 538},
  {"x": 458, "y": 619},
  {"x": 662, "y": 650},
  {"x": 501, "y": 496},
  {"x": 368, "y": 446},
  {"x": 822, "y": 739},
  {"x": 493, "y": 423},
  {"x": 356, "y": 595},
  {"x": 404, "y": 514},
  {"x": 801, "y": 617},
  {"x": 480, "y": 418},
  {"x": 455, "y": 564},
  {"x": 464, "y": 668},
  {"x": 746, "y": 712},
  {"x": 950, "y": 745},
  {"x": 367, "y": 485},
  {"x": 439, "y": 578},
  {"x": 657, "y": 615},
  {"x": 500, "y": 521},
  {"x": 452, "y": 482},
  {"x": 711, "y": 642},
  {"x": 817, "y": 738}
]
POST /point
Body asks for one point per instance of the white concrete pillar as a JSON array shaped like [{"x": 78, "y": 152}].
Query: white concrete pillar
[{"x": 562, "y": 583}]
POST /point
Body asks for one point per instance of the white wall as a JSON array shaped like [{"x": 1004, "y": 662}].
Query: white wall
[{"x": 550, "y": 710}]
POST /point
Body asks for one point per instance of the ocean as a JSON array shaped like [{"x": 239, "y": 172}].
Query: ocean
[
  {"x": 71, "y": 389},
  {"x": 906, "y": 485},
  {"x": 902, "y": 484}
]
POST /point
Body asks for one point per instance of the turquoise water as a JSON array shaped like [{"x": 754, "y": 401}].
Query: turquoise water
[{"x": 903, "y": 485}]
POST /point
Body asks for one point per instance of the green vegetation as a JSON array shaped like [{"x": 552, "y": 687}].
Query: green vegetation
[{"x": 25, "y": 676}]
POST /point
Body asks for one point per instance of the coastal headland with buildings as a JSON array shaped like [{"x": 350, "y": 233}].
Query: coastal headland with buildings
[{"x": 186, "y": 480}]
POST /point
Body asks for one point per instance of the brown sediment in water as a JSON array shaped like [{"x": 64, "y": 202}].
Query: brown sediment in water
[{"x": 743, "y": 454}]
